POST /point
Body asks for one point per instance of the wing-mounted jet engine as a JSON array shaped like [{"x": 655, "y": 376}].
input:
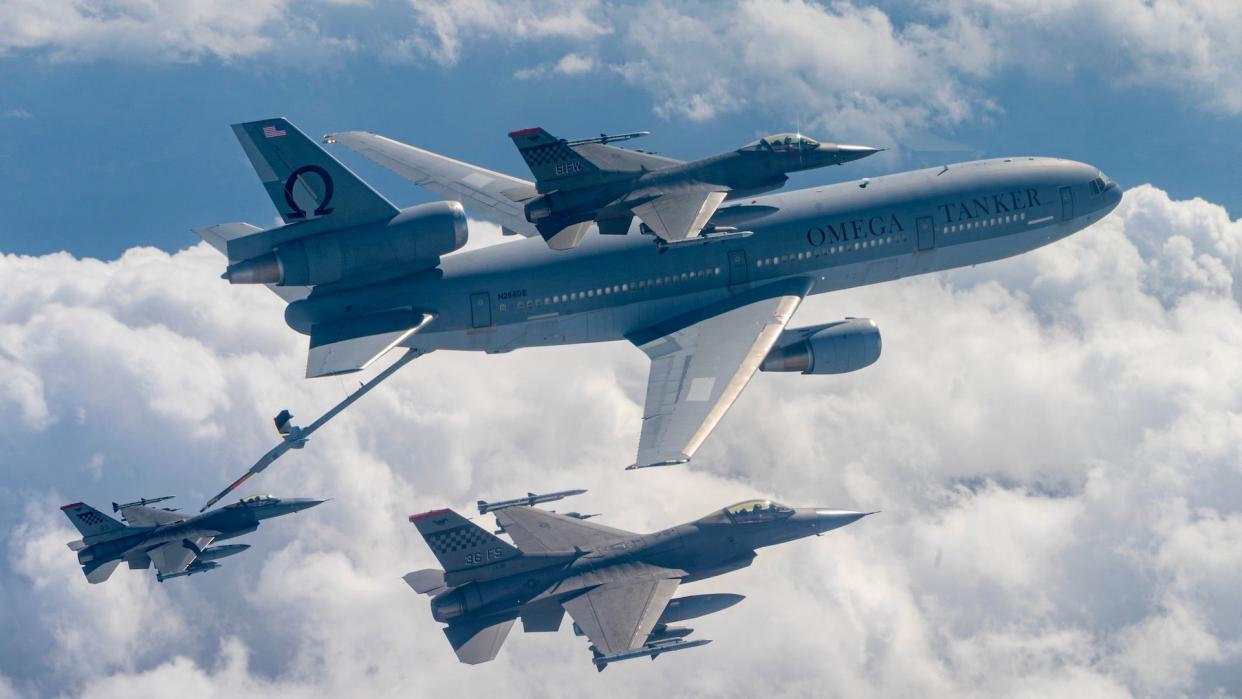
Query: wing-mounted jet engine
[
  {"x": 832, "y": 348},
  {"x": 588, "y": 181},
  {"x": 337, "y": 233}
]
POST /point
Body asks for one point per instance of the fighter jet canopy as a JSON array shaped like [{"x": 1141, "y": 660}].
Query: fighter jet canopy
[
  {"x": 257, "y": 499},
  {"x": 783, "y": 142},
  {"x": 749, "y": 512}
]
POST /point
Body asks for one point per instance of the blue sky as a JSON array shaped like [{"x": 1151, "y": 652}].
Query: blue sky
[
  {"x": 1053, "y": 440},
  {"x": 102, "y": 152}
]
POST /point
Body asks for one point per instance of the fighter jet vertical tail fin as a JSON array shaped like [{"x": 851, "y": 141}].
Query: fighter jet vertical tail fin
[
  {"x": 303, "y": 180},
  {"x": 460, "y": 545},
  {"x": 553, "y": 163},
  {"x": 89, "y": 521}
]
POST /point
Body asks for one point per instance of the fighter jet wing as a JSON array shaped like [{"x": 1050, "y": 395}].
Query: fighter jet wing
[
  {"x": 538, "y": 531},
  {"x": 485, "y": 193},
  {"x": 618, "y": 616},
  {"x": 681, "y": 213},
  {"x": 176, "y": 556},
  {"x": 700, "y": 362}
]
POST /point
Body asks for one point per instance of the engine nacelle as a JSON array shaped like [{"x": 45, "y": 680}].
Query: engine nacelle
[
  {"x": 834, "y": 348},
  {"x": 412, "y": 240}
]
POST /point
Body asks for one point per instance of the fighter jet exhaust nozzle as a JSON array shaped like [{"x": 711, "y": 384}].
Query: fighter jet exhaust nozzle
[{"x": 449, "y": 605}]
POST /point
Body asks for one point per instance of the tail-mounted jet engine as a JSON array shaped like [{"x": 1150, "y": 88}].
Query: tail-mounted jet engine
[
  {"x": 833, "y": 348},
  {"x": 411, "y": 241}
]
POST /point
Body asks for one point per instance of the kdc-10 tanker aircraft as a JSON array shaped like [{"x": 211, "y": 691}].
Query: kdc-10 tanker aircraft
[{"x": 361, "y": 276}]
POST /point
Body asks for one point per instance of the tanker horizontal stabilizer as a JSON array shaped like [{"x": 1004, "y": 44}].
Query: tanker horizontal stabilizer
[{"x": 344, "y": 347}]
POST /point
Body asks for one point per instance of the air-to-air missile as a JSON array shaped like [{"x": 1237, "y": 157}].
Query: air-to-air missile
[{"x": 530, "y": 499}]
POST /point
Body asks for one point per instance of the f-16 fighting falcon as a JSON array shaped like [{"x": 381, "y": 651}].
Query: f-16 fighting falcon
[
  {"x": 177, "y": 544},
  {"x": 577, "y": 182},
  {"x": 616, "y": 585},
  {"x": 361, "y": 276}
]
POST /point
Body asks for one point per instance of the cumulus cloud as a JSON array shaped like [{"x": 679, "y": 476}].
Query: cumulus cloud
[
  {"x": 878, "y": 71},
  {"x": 446, "y": 26},
  {"x": 1053, "y": 441},
  {"x": 162, "y": 30}
]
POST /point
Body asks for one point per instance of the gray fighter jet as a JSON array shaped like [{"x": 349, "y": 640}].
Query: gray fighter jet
[
  {"x": 616, "y": 585},
  {"x": 584, "y": 181},
  {"x": 177, "y": 544},
  {"x": 361, "y": 276}
]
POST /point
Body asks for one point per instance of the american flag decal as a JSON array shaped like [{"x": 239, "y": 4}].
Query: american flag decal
[{"x": 273, "y": 132}]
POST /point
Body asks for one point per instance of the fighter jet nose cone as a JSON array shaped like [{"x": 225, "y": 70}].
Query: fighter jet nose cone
[
  {"x": 846, "y": 153},
  {"x": 834, "y": 519},
  {"x": 304, "y": 504}
]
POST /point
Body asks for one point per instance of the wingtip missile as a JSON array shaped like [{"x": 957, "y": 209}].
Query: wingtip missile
[
  {"x": 530, "y": 500},
  {"x": 141, "y": 502},
  {"x": 604, "y": 138},
  {"x": 651, "y": 650},
  {"x": 657, "y": 464}
]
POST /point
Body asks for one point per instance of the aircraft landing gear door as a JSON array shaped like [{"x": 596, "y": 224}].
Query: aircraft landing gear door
[
  {"x": 480, "y": 310},
  {"x": 739, "y": 273},
  {"x": 926, "y": 232},
  {"x": 1067, "y": 203}
]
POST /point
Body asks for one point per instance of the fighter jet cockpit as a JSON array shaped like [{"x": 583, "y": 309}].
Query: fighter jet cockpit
[
  {"x": 749, "y": 512},
  {"x": 783, "y": 143},
  {"x": 254, "y": 500}
]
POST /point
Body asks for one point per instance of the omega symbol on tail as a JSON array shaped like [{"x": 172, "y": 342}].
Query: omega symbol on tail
[{"x": 323, "y": 208}]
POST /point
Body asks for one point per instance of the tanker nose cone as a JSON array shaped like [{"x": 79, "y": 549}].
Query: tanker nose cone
[
  {"x": 826, "y": 520},
  {"x": 846, "y": 153}
]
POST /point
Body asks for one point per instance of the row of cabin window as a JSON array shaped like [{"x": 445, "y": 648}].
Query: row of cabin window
[
  {"x": 994, "y": 221},
  {"x": 831, "y": 250},
  {"x": 614, "y": 289}
]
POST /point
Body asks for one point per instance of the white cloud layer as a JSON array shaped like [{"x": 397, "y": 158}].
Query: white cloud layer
[{"x": 1054, "y": 442}]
